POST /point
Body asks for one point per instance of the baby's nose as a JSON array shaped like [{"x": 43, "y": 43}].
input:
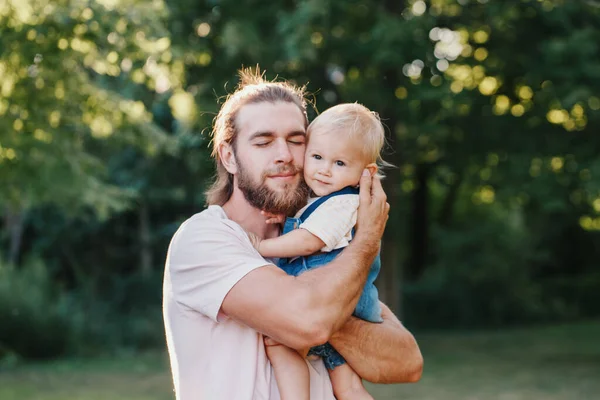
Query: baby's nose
[{"x": 325, "y": 171}]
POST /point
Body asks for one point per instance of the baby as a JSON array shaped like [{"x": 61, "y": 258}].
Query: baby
[{"x": 342, "y": 142}]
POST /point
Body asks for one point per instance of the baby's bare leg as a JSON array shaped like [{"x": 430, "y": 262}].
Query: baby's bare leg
[
  {"x": 347, "y": 385},
  {"x": 291, "y": 372}
]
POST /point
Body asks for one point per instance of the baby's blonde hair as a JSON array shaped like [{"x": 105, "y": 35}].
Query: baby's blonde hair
[{"x": 360, "y": 124}]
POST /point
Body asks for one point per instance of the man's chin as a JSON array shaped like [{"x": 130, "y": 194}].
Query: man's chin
[{"x": 281, "y": 185}]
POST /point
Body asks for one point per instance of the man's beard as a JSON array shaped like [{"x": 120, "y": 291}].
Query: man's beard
[{"x": 287, "y": 202}]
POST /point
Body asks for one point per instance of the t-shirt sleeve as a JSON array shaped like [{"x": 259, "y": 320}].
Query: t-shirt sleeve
[
  {"x": 333, "y": 220},
  {"x": 207, "y": 257}
]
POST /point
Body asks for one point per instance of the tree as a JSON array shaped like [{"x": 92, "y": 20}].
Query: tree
[{"x": 59, "y": 117}]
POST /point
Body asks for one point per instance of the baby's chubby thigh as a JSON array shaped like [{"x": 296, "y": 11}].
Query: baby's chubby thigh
[{"x": 368, "y": 307}]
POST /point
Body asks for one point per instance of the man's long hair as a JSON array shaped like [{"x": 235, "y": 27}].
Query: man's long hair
[{"x": 253, "y": 88}]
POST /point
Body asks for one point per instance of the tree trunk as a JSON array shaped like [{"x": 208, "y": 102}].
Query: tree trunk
[
  {"x": 146, "y": 260},
  {"x": 14, "y": 223},
  {"x": 447, "y": 210},
  {"x": 419, "y": 229},
  {"x": 389, "y": 282},
  {"x": 391, "y": 261}
]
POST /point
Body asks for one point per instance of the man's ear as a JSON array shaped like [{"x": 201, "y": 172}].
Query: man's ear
[
  {"x": 372, "y": 168},
  {"x": 227, "y": 157}
]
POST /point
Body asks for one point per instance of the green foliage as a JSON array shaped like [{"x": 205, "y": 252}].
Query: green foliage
[
  {"x": 575, "y": 297},
  {"x": 37, "y": 320},
  {"x": 128, "y": 315},
  {"x": 491, "y": 109},
  {"x": 40, "y": 320},
  {"x": 58, "y": 113},
  {"x": 482, "y": 277}
]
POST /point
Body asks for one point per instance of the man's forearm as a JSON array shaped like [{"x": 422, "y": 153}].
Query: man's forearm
[
  {"x": 336, "y": 287},
  {"x": 380, "y": 353}
]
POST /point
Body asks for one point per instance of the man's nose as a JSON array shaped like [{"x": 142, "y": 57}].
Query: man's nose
[{"x": 284, "y": 155}]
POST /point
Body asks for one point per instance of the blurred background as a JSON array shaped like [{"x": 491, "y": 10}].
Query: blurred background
[{"x": 492, "y": 110}]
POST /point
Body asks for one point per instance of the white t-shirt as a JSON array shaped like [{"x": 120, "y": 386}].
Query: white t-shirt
[
  {"x": 212, "y": 356},
  {"x": 332, "y": 221}
]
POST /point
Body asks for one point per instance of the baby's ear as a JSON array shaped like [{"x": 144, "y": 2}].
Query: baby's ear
[{"x": 372, "y": 168}]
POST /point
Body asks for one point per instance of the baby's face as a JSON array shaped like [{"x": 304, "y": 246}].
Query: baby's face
[{"x": 332, "y": 162}]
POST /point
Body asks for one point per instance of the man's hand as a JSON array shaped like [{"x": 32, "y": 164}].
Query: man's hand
[
  {"x": 305, "y": 310},
  {"x": 373, "y": 209},
  {"x": 380, "y": 353}
]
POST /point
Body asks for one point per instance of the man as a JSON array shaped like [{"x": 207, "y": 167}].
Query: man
[{"x": 222, "y": 299}]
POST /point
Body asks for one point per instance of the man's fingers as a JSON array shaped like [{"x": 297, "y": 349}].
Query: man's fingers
[
  {"x": 270, "y": 342},
  {"x": 365, "y": 187},
  {"x": 377, "y": 190}
]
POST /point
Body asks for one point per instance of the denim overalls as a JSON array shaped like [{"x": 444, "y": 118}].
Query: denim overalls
[{"x": 368, "y": 307}]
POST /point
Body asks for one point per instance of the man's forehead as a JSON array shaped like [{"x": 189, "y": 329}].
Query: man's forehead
[{"x": 276, "y": 118}]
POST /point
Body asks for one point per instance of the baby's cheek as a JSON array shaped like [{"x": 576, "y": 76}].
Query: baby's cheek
[
  {"x": 356, "y": 176},
  {"x": 306, "y": 176},
  {"x": 307, "y": 166},
  {"x": 306, "y": 170}
]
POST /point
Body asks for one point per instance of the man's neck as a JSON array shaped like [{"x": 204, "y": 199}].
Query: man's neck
[{"x": 239, "y": 210}]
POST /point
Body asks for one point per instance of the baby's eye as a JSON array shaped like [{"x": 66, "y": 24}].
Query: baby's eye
[
  {"x": 340, "y": 163},
  {"x": 316, "y": 156},
  {"x": 261, "y": 144}
]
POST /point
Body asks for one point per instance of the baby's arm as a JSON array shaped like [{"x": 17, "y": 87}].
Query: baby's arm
[
  {"x": 298, "y": 242},
  {"x": 322, "y": 230}
]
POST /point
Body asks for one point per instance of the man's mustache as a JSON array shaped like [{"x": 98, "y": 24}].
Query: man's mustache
[{"x": 287, "y": 169}]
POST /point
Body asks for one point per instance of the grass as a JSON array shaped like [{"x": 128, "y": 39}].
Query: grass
[{"x": 551, "y": 363}]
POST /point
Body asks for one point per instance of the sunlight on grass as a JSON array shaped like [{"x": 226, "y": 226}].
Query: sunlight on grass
[{"x": 551, "y": 363}]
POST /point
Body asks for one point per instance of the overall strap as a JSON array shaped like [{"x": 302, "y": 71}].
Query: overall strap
[{"x": 321, "y": 200}]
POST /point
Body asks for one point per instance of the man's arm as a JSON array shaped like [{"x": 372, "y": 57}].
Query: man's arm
[
  {"x": 380, "y": 353},
  {"x": 304, "y": 311}
]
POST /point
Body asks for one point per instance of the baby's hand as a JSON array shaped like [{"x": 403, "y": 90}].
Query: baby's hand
[
  {"x": 254, "y": 239},
  {"x": 270, "y": 342},
  {"x": 273, "y": 218}
]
